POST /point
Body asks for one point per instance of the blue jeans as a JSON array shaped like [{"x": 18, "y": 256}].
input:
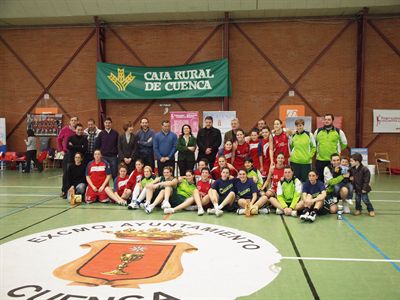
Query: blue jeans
[
  {"x": 338, "y": 187},
  {"x": 113, "y": 161},
  {"x": 365, "y": 199}
]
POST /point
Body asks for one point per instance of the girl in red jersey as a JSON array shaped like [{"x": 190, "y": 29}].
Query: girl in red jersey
[
  {"x": 240, "y": 150},
  {"x": 222, "y": 163},
  {"x": 227, "y": 151},
  {"x": 135, "y": 177},
  {"x": 265, "y": 151},
  {"x": 200, "y": 195},
  {"x": 120, "y": 194},
  {"x": 281, "y": 141},
  {"x": 253, "y": 147},
  {"x": 203, "y": 163},
  {"x": 98, "y": 175},
  {"x": 274, "y": 176}
]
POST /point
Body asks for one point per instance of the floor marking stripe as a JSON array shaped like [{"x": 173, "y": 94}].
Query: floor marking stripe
[
  {"x": 30, "y": 195},
  {"x": 386, "y": 192},
  {"x": 342, "y": 259},
  {"x": 375, "y": 247},
  {"x": 302, "y": 265},
  {"x": 18, "y": 209},
  {"x": 41, "y": 221},
  {"x": 30, "y": 186}
]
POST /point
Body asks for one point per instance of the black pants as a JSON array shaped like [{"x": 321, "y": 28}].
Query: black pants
[
  {"x": 31, "y": 156},
  {"x": 320, "y": 166},
  {"x": 148, "y": 159},
  {"x": 65, "y": 164},
  {"x": 161, "y": 166},
  {"x": 185, "y": 165}
]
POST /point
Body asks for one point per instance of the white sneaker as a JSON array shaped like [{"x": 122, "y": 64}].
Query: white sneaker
[
  {"x": 133, "y": 205},
  {"x": 191, "y": 208},
  {"x": 165, "y": 204},
  {"x": 312, "y": 216},
  {"x": 168, "y": 211},
  {"x": 240, "y": 211},
  {"x": 200, "y": 211},
  {"x": 142, "y": 205},
  {"x": 279, "y": 211},
  {"x": 211, "y": 211},
  {"x": 263, "y": 211},
  {"x": 294, "y": 213},
  {"x": 219, "y": 212},
  {"x": 349, "y": 201},
  {"x": 346, "y": 208},
  {"x": 304, "y": 216},
  {"x": 148, "y": 208}
]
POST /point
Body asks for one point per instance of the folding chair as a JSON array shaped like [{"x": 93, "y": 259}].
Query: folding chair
[{"x": 382, "y": 162}]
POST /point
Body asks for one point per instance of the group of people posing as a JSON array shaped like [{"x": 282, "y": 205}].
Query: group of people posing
[{"x": 244, "y": 173}]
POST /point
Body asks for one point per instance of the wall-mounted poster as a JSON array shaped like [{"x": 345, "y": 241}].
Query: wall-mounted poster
[
  {"x": 387, "y": 120},
  {"x": 180, "y": 118},
  {"x": 44, "y": 124},
  {"x": 222, "y": 119},
  {"x": 3, "y": 135},
  {"x": 286, "y": 111}
]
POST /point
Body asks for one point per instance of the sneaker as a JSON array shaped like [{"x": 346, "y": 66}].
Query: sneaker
[
  {"x": 263, "y": 211},
  {"x": 123, "y": 203},
  {"x": 165, "y": 204},
  {"x": 133, "y": 205},
  {"x": 200, "y": 211},
  {"x": 191, "y": 208},
  {"x": 211, "y": 211},
  {"x": 305, "y": 216},
  {"x": 279, "y": 211},
  {"x": 294, "y": 213},
  {"x": 312, "y": 216},
  {"x": 168, "y": 211},
  {"x": 219, "y": 212},
  {"x": 148, "y": 209},
  {"x": 346, "y": 208},
  {"x": 357, "y": 212},
  {"x": 142, "y": 205},
  {"x": 371, "y": 213},
  {"x": 240, "y": 211},
  {"x": 349, "y": 201}
]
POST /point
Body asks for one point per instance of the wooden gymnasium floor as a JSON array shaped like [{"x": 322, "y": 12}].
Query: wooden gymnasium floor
[{"x": 356, "y": 258}]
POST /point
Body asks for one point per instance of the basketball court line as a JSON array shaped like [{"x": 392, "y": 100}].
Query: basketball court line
[
  {"x": 19, "y": 209},
  {"x": 375, "y": 247},
  {"x": 38, "y": 222},
  {"x": 303, "y": 267},
  {"x": 342, "y": 259}
]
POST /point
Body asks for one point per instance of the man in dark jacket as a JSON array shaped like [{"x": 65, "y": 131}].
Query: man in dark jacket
[
  {"x": 208, "y": 140},
  {"x": 107, "y": 143},
  {"x": 145, "y": 143},
  {"x": 77, "y": 143}
]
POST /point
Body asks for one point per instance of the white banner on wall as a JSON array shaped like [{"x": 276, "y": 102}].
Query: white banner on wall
[
  {"x": 222, "y": 119},
  {"x": 386, "y": 120},
  {"x": 3, "y": 135}
]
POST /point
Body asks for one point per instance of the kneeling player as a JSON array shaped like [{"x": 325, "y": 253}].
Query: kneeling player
[
  {"x": 98, "y": 175},
  {"x": 314, "y": 195},
  {"x": 222, "y": 194},
  {"x": 288, "y": 194}
]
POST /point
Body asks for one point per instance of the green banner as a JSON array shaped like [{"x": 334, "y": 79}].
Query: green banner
[{"x": 201, "y": 80}]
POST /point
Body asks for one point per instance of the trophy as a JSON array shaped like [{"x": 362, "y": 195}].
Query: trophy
[{"x": 126, "y": 259}]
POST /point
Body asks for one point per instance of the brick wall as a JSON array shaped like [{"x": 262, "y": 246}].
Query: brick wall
[{"x": 328, "y": 87}]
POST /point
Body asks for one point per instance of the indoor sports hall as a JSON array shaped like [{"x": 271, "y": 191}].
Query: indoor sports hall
[{"x": 95, "y": 68}]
